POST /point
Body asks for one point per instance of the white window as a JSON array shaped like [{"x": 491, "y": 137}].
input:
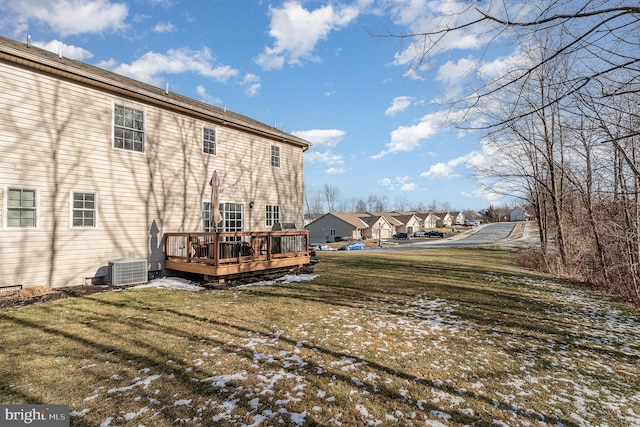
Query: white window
[
  {"x": 22, "y": 207},
  {"x": 84, "y": 209},
  {"x": 332, "y": 232},
  {"x": 209, "y": 140},
  {"x": 275, "y": 156},
  {"x": 128, "y": 128},
  {"x": 271, "y": 215},
  {"x": 232, "y": 217}
]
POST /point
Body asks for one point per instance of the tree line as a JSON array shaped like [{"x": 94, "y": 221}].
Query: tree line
[{"x": 562, "y": 124}]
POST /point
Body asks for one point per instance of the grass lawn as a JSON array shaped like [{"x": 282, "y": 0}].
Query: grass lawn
[{"x": 425, "y": 337}]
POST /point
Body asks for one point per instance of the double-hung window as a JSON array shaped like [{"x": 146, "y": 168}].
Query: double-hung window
[
  {"x": 84, "y": 209},
  {"x": 209, "y": 140},
  {"x": 128, "y": 128},
  {"x": 275, "y": 156},
  {"x": 271, "y": 215},
  {"x": 21, "y": 208}
]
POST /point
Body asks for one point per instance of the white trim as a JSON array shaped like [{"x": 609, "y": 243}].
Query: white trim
[
  {"x": 215, "y": 132},
  {"x": 95, "y": 218},
  {"x": 272, "y": 215},
  {"x": 271, "y": 155},
  {"x": 5, "y": 207},
  {"x": 113, "y": 126}
]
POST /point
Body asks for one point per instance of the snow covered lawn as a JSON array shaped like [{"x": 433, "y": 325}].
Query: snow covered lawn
[{"x": 378, "y": 339}]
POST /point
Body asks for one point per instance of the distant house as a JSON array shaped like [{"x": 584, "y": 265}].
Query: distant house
[
  {"x": 410, "y": 222},
  {"x": 518, "y": 214},
  {"x": 428, "y": 219},
  {"x": 380, "y": 226},
  {"x": 443, "y": 219},
  {"x": 457, "y": 218},
  {"x": 335, "y": 226},
  {"x": 96, "y": 167},
  {"x": 473, "y": 216}
]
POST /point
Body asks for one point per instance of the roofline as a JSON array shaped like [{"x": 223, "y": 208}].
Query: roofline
[{"x": 46, "y": 62}]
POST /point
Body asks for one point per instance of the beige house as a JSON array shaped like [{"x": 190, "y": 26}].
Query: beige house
[
  {"x": 457, "y": 218},
  {"x": 410, "y": 223},
  {"x": 335, "y": 226},
  {"x": 380, "y": 225},
  {"x": 98, "y": 167},
  {"x": 425, "y": 219}
]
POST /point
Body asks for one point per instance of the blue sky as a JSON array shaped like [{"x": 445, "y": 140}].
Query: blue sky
[{"x": 312, "y": 68}]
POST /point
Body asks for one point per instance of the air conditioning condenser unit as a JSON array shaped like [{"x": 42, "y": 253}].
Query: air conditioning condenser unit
[{"x": 128, "y": 271}]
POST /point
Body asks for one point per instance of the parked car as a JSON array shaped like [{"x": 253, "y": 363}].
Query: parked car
[
  {"x": 322, "y": 247},
  {"x": 353, "y": 246},
  {"x": 468, "y": 224},
  {"x": 420, "y": 233},
  {"x": 435, "y": 233},
  {"x": 401, "y": 236}
]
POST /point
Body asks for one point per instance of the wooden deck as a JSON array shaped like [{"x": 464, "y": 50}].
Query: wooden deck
[{"x": 228, "y": 255}]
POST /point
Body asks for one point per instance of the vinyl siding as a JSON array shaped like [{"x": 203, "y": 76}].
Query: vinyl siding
[{"x": 57, "y": 136}]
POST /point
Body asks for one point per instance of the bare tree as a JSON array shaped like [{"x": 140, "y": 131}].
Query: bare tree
[
  {"x": 314, "y": 205},
  {"x": 331, "y": 197},
  {"x": 360, "y": 207},
  {"x": 602, "y": 38}
]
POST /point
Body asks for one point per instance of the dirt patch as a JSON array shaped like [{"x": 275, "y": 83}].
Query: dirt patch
[{"x": 40, "y": 294}]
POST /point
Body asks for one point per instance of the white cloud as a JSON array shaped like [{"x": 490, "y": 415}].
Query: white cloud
[
  {"x": 252, "y": 83},
  {"x": 68, "y": 51},
  {"x": 335, "y": 171},
  {"x": 408, "y": 138},
  {"x": 487, "y": 194},
  {"x": 439, "y": 170},
  {"x": 328, "y": 137},
  {"x": 152, "y": 66},
  {"x": 399, "y": 183},
  {"x": 297, "y": 30},
  {"x": 419, "y": 15},
  {"x": 164, "y": 27},
  {"x": 323, "y": 157},
  {"x": 445, "y": 170},
  {"x": 398, "y": 105},
  {"x": 202, "y": 92},
  {"x": 70, "y": 17},
  {"x": 452, "y": 73}
]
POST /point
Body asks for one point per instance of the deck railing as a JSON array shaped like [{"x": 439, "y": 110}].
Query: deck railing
[{"x": 236, "y": 247}]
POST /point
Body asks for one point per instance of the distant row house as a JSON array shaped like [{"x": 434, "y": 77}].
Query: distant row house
[{"x": 335, "y": 226}]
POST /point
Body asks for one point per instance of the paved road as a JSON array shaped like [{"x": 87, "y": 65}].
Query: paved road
[{"x": 485, "y": 234}]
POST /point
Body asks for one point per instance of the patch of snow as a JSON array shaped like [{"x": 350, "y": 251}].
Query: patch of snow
[
  {"x": 82, "y": 413},
  {"x": 173, "y": 283},
  {"x": 289, "y": 278},
  {"x": 144, "y": 383},
  {"x": 221, "y": 381}
]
